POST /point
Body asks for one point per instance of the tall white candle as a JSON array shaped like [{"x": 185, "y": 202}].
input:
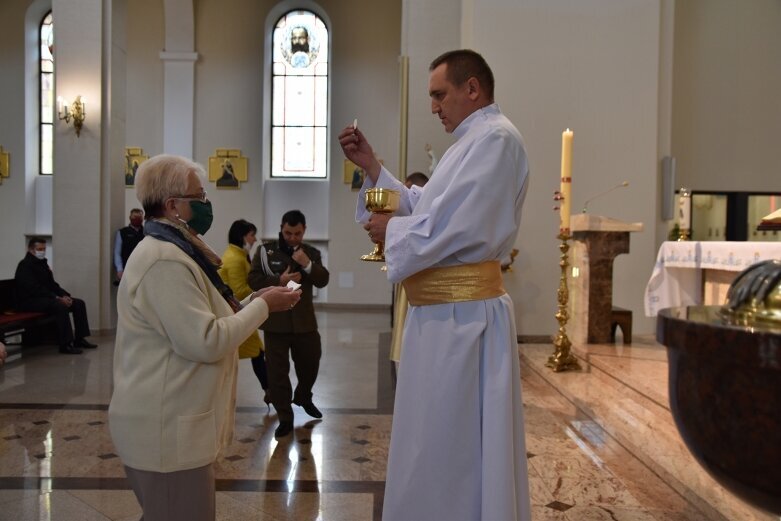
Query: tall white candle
[{"x": 566, "y": 180}]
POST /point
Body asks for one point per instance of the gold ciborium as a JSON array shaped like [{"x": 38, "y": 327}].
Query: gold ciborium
[{"x": 380, "y": 200}]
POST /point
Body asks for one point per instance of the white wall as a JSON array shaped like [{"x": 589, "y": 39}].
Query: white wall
[
  {"x": 228, "y": 103},
  {"x": 430, "y": 28},
  {"x": 589, "y": 66},
  {"x": 366, "y": 87},
  {"x": 726, "y": 110},
  {"x": 144, "y": 114},
  {"x": 114, "y": 93},
  {"x": 17, "y": 193}
]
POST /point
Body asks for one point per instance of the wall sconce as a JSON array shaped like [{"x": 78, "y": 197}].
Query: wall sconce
[{"x": 76, "y": 110}]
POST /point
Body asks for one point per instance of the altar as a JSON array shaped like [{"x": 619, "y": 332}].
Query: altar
[{"x": 690, "y": 273}]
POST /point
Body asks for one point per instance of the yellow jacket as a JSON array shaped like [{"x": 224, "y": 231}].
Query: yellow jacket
[{"x": 234, "y": 271}]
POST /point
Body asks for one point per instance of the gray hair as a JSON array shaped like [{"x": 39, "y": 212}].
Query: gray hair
[{"x": 162, "y": 177}]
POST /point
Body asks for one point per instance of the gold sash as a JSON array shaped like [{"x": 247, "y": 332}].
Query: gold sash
[{"x": 455, "y": 284}]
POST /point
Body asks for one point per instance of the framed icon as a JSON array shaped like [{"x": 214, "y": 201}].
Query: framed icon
[
  {"x": 228, "y": 169},
  {"x": 134, "y": 156}
]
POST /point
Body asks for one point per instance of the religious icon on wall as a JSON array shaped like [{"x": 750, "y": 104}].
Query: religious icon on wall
[
  {"x": 134, "y": 156},
  {"x": 228, "y": 177},
  {"x": 5, "y": 164},
  {"x": 353, "y": 175},
  {"x": 227, "y": 168}
]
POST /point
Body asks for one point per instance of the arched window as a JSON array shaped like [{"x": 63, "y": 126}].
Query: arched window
[
  {"x": 299, "y": 96},
  {"x": 46, "y": 75}
]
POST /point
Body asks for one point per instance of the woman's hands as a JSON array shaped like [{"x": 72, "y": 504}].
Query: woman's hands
[{"x": 278, "y": 298}]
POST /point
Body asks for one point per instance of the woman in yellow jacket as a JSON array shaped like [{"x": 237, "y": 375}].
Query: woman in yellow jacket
[{"x": 234, "y": 270}]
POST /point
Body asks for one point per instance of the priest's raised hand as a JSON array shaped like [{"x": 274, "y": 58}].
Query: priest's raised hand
[{"x": 358, "y": 150}]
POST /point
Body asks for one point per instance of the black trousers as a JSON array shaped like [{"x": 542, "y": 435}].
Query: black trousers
[
  {"x": 305, "y": 350},
  {"x": 65, "y": 332},
  {"x": 259, "y": 368}
]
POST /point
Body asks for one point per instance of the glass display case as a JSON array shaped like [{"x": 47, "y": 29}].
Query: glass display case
[{"x": 732, "y": 216}]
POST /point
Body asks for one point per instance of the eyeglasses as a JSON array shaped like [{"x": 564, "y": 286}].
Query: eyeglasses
[{"x": 201, "y": 196}]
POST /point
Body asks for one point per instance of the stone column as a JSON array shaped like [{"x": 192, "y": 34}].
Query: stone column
[{"x": 88, "y": 185}]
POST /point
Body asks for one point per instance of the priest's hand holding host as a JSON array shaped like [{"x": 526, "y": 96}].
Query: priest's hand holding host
[{"x": 358, "y": 150}]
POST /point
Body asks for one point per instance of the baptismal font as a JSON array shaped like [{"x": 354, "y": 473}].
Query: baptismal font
[{"x": 725, "y": 384}]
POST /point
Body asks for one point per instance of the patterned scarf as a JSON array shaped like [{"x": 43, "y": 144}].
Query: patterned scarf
[{"x": 176, "y": 233}]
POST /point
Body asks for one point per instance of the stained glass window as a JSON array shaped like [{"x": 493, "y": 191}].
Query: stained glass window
[
  {"x": 46, "y": 34},
  {"x": 299, "y": 96}
]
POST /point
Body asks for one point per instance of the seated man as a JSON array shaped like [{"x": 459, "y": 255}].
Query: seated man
[{"x": 36, "y": 290}]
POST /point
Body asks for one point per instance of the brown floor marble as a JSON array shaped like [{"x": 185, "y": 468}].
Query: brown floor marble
[{"x": 57, "y": 460}]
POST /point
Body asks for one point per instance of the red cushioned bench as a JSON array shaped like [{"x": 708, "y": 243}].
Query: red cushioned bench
[{"x": 32, "y": 325}]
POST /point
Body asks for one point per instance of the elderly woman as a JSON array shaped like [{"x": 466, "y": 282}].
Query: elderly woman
[
  {"x": 234, "y": 271},
  {"x": 175, "y": 359}
]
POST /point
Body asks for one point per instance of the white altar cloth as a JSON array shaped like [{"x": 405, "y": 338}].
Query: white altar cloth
[{"x": 677, "y": 276}]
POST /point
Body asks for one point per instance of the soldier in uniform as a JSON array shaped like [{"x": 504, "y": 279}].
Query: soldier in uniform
[{"x": 293, "y": 332}]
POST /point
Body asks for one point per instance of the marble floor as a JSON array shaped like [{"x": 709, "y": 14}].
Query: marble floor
[{"x": 57, "y": 461}]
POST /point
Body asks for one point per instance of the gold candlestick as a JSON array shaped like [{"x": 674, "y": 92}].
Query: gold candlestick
[
  {"x": 683, "y": 235},
  {"x": 562, "y": 359},
  {"x": 380, "y": 200}
]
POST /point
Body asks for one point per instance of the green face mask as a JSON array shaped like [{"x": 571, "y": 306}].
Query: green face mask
[{"x": 202, "y": 216}]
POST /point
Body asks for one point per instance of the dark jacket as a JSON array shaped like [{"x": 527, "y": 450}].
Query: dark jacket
[
  {"x": 268, "y": 264},
  {"x": 34, "y": 279},
  {"x": 130, "y": 239}
]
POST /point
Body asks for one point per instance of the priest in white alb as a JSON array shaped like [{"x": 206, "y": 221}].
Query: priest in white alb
[{"x": 457, "y": 447}]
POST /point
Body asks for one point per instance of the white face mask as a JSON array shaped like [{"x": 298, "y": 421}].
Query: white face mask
[
  {"x": 247, "y": 247},
  {"x": 40, "y": 254}
]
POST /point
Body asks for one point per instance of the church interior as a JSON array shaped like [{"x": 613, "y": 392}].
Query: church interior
[{"x": 659, "y": 95}]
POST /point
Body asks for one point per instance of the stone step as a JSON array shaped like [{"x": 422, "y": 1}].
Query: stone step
[{"x": 624, "y": 390}]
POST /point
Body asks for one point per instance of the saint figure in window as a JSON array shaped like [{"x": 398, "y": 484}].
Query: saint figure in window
[{"x": 300, "y": 47}]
